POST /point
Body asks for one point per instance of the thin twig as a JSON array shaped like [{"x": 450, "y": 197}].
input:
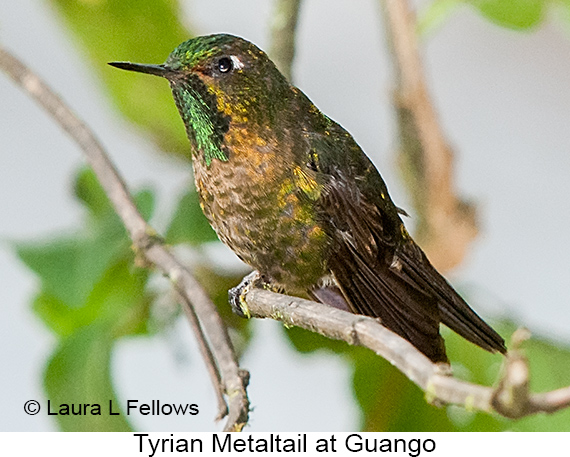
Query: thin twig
[
  {"x": 283, "y": 27},
  {"x": 235, "y": 379},
  {"x": 220, "y": 357},
  {"x": 446, "y": 223},
  {"x": 206, "y": 355},
  {"x": 435, "y": 380}
]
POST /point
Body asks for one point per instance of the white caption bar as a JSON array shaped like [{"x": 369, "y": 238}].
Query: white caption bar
[{"x": 171, "y": 444}]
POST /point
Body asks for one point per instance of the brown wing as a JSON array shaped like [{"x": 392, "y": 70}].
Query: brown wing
[
  {"x": 378, "y": 267},
  {"x": 369, "y": 272},
  {"x": 454, "y": 311}
]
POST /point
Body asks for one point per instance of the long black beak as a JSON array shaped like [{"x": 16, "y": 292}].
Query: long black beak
[{"x": 157, "y": 70}]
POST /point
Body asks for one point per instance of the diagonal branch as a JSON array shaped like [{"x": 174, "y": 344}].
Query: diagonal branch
[
  {"x": 511, "y": 398},
  {"x": 446, "y": 223},
  {"x": 283, "y": 28},
  {"x": 210, "y": 331}
]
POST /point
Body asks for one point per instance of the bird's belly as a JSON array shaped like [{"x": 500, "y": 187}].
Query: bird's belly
[{"x": 262, "y": 218}]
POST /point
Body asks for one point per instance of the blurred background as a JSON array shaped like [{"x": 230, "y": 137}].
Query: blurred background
[{"x": 79, "y": 321}]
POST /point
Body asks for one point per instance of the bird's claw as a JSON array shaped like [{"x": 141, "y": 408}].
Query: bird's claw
[{"x": 237, "y": 294}]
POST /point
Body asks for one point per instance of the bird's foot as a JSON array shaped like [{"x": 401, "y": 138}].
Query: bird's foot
[{"x": 237, "y": 294}]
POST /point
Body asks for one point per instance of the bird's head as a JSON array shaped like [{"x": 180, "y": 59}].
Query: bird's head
[{"x": 218, "y": 80}]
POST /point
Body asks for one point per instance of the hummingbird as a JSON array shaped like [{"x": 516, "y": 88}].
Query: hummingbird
[{"x": 295, "y": 197}]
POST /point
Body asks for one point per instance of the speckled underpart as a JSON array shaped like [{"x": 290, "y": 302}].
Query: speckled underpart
[
  {"x": 272, "y": 229},
  {"x": 258, "y": 196}
]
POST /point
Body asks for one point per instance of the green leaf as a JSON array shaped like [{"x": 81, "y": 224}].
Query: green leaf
[
  {"x": 514, "y": 14},
  {"x": 118, "y": 299},
  {"x": 69, "y": 267},
  {"x": 189, "y": 225},
  {"x": 144, "y": 201},
  {"x": 434, "y": 14},
  {"x": 389, "y": 401},
  {"x": 90, "y": 193},
  {"x": 90, "y": 295},
  {"x": 561, "y": 13},
  {"x": 121, "y": 300},
  {"x": 79, "y": 373},
  {"x": 307, "y": 342},
  {"x": 550, "y": 370},
  {"x": 143, "y": 31}
]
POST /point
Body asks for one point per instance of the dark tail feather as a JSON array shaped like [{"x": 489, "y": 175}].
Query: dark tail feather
[
  {"x": 411, "y": 298},
  {"x": 403, "y": 308},
  {"x": 454, "y": 311},
  {"x": 459, "y": 317}
]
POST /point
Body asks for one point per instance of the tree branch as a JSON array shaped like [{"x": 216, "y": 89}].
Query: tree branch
[
  {"x": 511, "y": 398},
  {"x": 211, "y": 332},
  {"x": 446, "y": 223},
  {"x": 283, "y": 27}
]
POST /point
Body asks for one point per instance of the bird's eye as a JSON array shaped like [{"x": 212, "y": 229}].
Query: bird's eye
[{"x": 225, "y": 65}]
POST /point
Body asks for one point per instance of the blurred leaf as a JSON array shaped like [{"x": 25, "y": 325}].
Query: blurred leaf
[
  {"x": 143, "y": 31},
  {"x": 562, "y": 13},
  {"x": 520, "y": 15},
  {"x": 307, "y": 342},
  {"x": 514, "y": 14},
  {"x": 389, "y": 401},
  {"x": 90, "y": 296},
  {"x": 89, "y": 191},
  {"x": 434, "y": 14},
  {"x": 550, "y": 369},
  {"x": 70, "y": 266},
  {"x": 118, "y": 300},
  {"x": 189, "y": 225},
  {"x": 117, "y": 297},
  {"x": 91, "y": 194},
  {"x": 78, "y": 373}
]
